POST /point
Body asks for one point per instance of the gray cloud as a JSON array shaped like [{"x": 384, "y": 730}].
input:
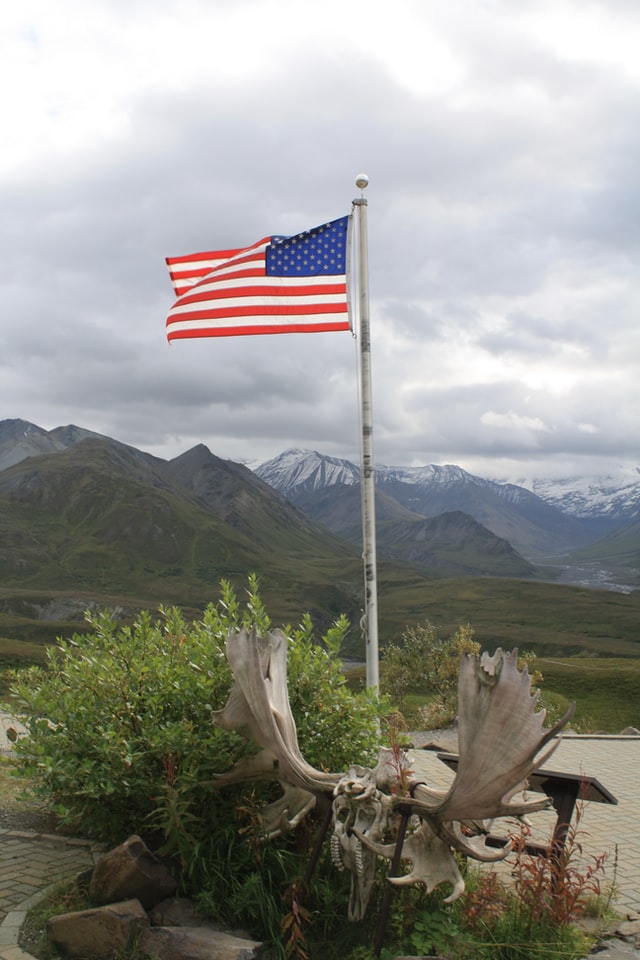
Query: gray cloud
[{"x": 503, "y": 237}]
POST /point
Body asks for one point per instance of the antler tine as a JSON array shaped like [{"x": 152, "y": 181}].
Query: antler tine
[{"x": 258, "y": 707}]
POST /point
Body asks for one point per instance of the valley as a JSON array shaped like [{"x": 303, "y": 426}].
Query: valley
[
  {"x": 87, "y": 522},
  {"x": 594, "y": 576}
]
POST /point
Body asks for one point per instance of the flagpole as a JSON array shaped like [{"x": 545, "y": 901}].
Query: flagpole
[{"x": 367, "y": 479}]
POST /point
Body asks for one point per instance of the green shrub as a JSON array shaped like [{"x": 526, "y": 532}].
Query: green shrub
[
  {"x": 121, "y": 741},
  {"x": 427, "y": 663},
  {"x": 421, "y": 673}
]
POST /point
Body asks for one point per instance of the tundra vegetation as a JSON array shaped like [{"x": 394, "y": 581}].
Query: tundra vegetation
[
  {"x": 121, "y": 742},
  {"x": 425, "y": 662}
]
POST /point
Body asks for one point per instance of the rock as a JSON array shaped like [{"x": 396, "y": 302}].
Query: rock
[
  {"x": 197, "y": 943},
  {"x": 178, "y": 912},
  {"x": 628, "y": 929},
  {"x": 630, "y": 732},
  {"x": 131, "y": 870},
  {"x": 100, "y": 931},
  {"x": 614, "y": 950}
]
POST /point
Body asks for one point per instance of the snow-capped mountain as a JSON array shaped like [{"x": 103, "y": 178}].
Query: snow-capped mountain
[
  {"x": 296, "y": 469},
  {"x": 316, "y": 484},
  {"x": 611, "y": 500},
  {"x": 614, "y": 497},
  {"x": 306, "y": 470}
]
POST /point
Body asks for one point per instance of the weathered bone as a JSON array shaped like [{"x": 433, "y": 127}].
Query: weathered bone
[
  {"x": 360, "y": 810},
  {"x": 258, "y": 707},
  {"x": 494, "y": 698},
  {"x": 431, "y": 858},
  {"x": 501, "y": 734},
  {"x": 284, "y": 814}
]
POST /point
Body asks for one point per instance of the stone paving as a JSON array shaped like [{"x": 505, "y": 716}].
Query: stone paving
[
  {"x": 615, "y": 762},
  {"x": 31, "y": 863}
]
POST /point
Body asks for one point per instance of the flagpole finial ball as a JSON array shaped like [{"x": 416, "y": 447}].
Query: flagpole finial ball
[{"x": 362, "y": 181}]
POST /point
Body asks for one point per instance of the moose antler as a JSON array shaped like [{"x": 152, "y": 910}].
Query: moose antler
[
  {"x": 501, "y": 734},
  {"x": 258, "y": 708}
]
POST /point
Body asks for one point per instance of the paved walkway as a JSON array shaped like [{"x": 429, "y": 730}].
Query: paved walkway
[
  {"x": 615, "y": 762},
  {"x": 30, "y": 864}
]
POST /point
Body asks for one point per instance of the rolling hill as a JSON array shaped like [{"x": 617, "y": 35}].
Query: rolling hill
[
  {"x": 620, "y": 549},
  {"x": 87, "y": 522},
  {"x": 99, "y": 518}
]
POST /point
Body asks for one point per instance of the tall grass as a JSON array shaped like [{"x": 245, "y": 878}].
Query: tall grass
[{"x": 606, "y": 692}]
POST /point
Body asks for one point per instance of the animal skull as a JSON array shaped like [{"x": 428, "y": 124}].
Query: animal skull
[{"x": 361, "y": 815}]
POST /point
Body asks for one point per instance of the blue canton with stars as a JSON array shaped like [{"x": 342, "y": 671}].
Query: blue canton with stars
[{"x": 317, "y": 252}]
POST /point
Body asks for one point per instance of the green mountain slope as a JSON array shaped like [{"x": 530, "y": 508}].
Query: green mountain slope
[
  {"x": 450, "y": 544},
  {"x": 620, "y": 548},
  {"x": 234, "y": 494},
  {"x": 101, "y": 524},
  {"x": 100, "y": 518},
  {"x": 454, "y": 544},
  {"x": 88, "y": 517}
]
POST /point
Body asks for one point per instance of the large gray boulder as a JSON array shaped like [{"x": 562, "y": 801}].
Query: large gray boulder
[{"x": 126, "y": 883}]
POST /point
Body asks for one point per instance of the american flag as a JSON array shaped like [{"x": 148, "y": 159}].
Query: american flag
[{"x": 279, "y": 285}]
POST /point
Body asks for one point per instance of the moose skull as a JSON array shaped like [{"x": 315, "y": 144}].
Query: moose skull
[{"x": 360, "y": 810}]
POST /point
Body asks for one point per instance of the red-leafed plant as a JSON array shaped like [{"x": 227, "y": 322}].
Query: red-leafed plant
[{"x": 557, "y": 887}]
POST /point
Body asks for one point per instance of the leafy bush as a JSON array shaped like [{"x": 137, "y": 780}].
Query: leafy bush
[
  {"x": 121, "y": 741},
  {"x": 427, "y": 663}
]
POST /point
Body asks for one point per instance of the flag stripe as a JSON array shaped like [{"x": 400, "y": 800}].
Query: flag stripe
[
  {"x": 245, "y": 265},
  {"x": 267, "y": 291},
  {"x": 263, "y": 309},
  {"x": 251, "y": 329},
  {"x": 211, "y": 281},
  {"x": 204, "y": 258},
  {"x": 187, "y": 271}
]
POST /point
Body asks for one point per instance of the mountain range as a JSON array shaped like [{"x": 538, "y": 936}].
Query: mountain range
[
  {"x": 87, "y": 520},
  {"x": 613, "y": 497},
  {"x": 567, "y": 522}
]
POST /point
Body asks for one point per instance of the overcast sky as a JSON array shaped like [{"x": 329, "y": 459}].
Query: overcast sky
[{"x": 502, "y": 143}]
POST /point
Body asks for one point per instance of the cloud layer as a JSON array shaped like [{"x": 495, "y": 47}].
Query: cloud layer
[{"x": 501, "y": 141}]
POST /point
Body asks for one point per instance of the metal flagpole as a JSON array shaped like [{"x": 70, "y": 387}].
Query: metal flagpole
[{"x": 367, "y": 480}]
